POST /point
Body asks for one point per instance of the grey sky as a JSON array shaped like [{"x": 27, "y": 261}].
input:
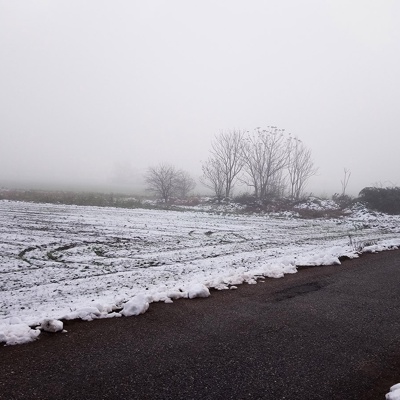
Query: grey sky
[{"x": 93, "y": 92}]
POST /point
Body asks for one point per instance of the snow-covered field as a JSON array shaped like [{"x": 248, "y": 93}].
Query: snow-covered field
[{"x": 64, "y": 262}]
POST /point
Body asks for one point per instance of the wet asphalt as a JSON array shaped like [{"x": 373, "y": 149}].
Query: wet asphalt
[{"x": 323, "y": 333}]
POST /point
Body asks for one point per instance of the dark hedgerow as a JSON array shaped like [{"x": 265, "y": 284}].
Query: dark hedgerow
[
  {"x": 72, "y": 198},
  {"x": 386, "y": 200}
]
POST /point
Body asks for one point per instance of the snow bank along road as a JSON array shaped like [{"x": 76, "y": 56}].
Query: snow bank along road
[
  {"x": 66, "y": 262},
  {"x": 323, "y": 333}
]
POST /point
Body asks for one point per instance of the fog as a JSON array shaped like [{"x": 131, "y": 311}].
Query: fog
[{"x": 93, "y": 92}]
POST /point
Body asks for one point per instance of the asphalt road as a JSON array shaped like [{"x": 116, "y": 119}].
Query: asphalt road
[{"x": 323, "y": 333}]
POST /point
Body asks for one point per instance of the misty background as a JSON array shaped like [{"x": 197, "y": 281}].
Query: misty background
[{"x": 94, "y": 92}]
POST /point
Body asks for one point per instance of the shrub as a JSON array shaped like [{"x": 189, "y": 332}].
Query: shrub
[
  {"x": 385, "y": 200},
  {"x": 343, "y": 200},
  {"x": 245, "y": 199}
]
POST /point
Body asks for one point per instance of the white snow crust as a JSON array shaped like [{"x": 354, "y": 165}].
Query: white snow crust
[
  {"x": 394, "y": 393},
  {"x": 61, "y": 262},
  {"x": 51, "y": 325},
  {"x": 135, "y": 306}
]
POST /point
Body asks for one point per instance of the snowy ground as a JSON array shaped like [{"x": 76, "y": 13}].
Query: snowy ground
[{"x": 64, "y": 262}]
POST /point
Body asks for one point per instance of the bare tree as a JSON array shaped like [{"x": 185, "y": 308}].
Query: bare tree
[
  {"x": 277, "y": 185},
  {"x": 226, "y": 150},
  {"x": 267, "y": 160},
  {"x": 264, "y": 156},
  {"x": 214, "y": 177},
  {"x": 184, "y": 184},
  {"x": 161, "y": 180},
  {"x": 345, "y": 181},
  {"x": 300, "y": 167}
]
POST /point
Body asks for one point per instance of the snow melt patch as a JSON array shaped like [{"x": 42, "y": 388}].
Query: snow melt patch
[{"x": 394, "y": 393}]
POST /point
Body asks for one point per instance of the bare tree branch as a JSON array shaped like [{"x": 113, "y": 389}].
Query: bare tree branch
[
  {"x": 226, "y": 149},
  {"x": 161, "y": 180},
  {"x": 345, "y": 181},
  {"x": 166, "y": 181},
  {"x": 214, "y": 177},
  {"x": 300, "y": 167},
  {"x": 184, "y": 184},
  {"x": 264, "y": 155}
]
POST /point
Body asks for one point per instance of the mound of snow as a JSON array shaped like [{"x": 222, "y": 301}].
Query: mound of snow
[
  {"x": 394, "y": 393},
  {"x": 85, "y": 313},
  {"x": 52, "y": 325},
  {"x": 135, "y": 306},
  {"x": 316, "y": 204},
  {"x": 197, "y": 290},
  {"x": 14, "y": 331}
]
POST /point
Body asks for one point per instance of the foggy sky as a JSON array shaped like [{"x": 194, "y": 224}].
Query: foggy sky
[{"x": 93, "y": 92}]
